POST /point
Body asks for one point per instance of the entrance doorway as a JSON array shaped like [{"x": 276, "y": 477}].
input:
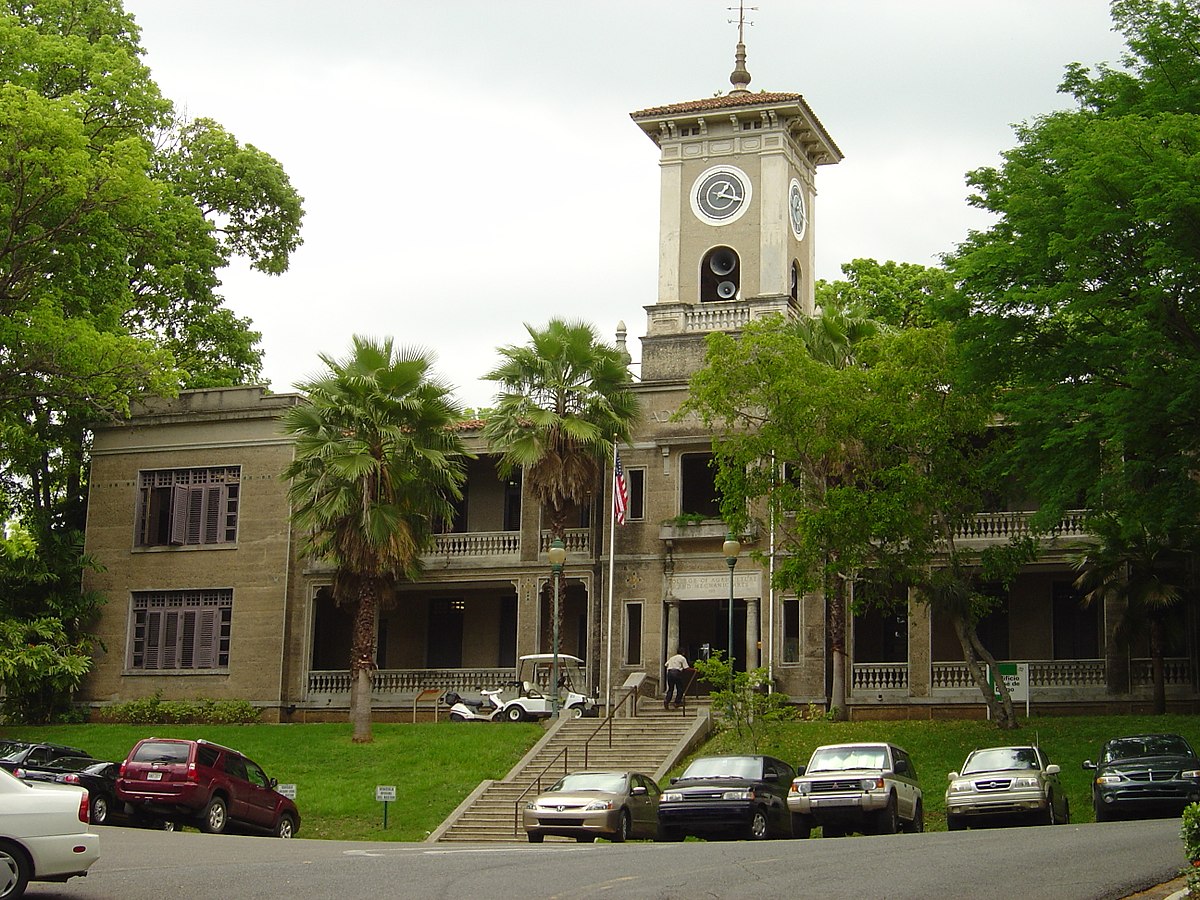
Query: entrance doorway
[{"x": 704, "y": 628}]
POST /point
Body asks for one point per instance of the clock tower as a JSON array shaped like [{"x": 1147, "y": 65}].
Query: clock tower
[{"x": 736, "y": 216}]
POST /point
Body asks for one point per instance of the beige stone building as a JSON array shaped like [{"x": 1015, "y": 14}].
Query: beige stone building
[{"x": 207, "y": 597}]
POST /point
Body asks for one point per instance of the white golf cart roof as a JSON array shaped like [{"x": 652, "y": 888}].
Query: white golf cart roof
[{"x": 549, "y": 657}]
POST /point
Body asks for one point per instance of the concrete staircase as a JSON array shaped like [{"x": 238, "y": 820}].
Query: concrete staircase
[{"x": 652, "y": 742}]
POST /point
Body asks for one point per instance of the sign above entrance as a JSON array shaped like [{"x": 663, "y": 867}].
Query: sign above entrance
[{"x": 714, "y": 587}]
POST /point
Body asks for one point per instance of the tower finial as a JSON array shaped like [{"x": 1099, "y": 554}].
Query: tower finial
[{"x": 740, "y": 77}]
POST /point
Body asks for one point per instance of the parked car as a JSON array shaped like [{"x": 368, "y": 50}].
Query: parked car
[
  {"x": 44, "y": 834},
  {"x": 98, "y": 776},
  {"x": 1144, "y": 775},
  {"x": 204, "y": 783},
  {"x": 587, "y": 805},
  {"x": 727, "y": 796},
  {"x": 868, "y": 788},
  {"x": 33, "y": 755},
  {"x": 1002, "y": 783}
]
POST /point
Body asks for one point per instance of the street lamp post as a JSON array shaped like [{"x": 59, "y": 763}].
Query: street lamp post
[
  {"x": 731, "y": 548},
  {"x": 558, "y": 555}
]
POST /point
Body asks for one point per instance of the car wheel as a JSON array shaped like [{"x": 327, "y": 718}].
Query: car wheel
[
  {"x": 759, "y": 829},
  {"x": 624, "y": 826},
  {"x": 514, "y": 713},
  {"x": 99, "y": 811},
  {"x": 535, "y": 837},
  {"x": 286, "y": 826},
  {"x": 888, "y": 819},
  {"x": 14, "y": 871},
  {"x": 955, "y": 823},
  {"x": 917, "y": 825},
  {"x": 802, "y": 826},
  {"x": 215, "y": 817}
]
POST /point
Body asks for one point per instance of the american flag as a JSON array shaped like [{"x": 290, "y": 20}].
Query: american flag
[{"x": 620, "y": 490}]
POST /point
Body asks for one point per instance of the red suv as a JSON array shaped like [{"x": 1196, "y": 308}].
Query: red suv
[{"x": 172, "y": 779}]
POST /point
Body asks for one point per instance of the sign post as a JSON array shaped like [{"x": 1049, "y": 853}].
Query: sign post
[
  {"x": 1016, "y": 679},
  {"x": 384, "y": 793}
]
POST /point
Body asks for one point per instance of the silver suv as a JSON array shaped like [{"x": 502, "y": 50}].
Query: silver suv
[
  {"x": 869, "y": 788},
  {"x": 1006, "y": 782}
]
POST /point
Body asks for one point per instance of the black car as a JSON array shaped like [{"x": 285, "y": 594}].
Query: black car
[
  {"x": 33, "y": 756},
  {"x": 1145, "y": 775},
  {"x": 723, "y": 796},
  {"x": 97, "y": 775}
]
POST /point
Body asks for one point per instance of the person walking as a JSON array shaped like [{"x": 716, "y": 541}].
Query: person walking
[{"x": 675, "y": 666}]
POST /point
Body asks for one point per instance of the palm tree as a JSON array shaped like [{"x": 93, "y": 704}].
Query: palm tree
[
  {"x": 1145, "y": 574},
  {"x": 376, "y": 465},
  {"x": 564, "y": 398}
]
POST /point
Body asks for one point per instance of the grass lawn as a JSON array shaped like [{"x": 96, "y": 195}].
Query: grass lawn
[
  {"x": 432, "y": 765},
  {"x": 435, "y": 765}
]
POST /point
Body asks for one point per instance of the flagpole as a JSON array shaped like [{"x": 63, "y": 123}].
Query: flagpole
[{"x": 612, "y": 543}]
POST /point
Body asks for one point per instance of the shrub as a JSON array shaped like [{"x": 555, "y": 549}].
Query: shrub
[
  {"x": 1190, "y": 832},
  {"x": 154, "y": 710}
]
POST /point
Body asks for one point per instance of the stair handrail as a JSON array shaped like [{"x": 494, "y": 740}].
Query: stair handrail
[
  {"x": 632, "y": 692},
  {"x": 537, "y": 782}
]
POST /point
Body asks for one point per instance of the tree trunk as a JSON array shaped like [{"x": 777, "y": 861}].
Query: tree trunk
[
  {"x": 978, "y": 659},
  {"x": 1157, "y": 666},
  {"x": 362, "y": 663},
  {"x": 837, "y": 644}
]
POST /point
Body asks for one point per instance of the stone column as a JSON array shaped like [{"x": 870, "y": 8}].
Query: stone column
[
  {"x": 672, "y": 626},
  {"x": 752, "y": 632}
]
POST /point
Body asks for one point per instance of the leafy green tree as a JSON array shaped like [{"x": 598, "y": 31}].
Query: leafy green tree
[
  {"x": 115, "y": 219},
  {"x": 1079, "y": 302},
  {"x": 45, "y": 647},
  {"x": 1147, "y": 575},
  {"x": 866, "y": 471},
  {"x": 564, "y": 398},
  {"x": 377, "y": 464},
  {"x": 743, "y": 699}
]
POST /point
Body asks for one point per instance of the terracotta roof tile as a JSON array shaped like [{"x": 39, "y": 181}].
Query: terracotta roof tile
[{"x": 726, "y": 101}]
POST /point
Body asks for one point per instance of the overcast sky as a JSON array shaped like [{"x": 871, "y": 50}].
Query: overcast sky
[{"x": 469, "y": 166}]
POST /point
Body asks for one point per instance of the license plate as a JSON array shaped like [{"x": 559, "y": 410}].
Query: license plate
[{"x": 154, "y": 776}]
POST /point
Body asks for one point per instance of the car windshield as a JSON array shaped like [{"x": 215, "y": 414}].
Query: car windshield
[
  {"x": 11, "y": 751},
  {"x": 613, "y": 782},
  {"x": 837, "y": 759},
  {"x": 1146, "y": 745},
  {"x": 162, "y": 751},
  {"x": 725, "y": 767},
  {"x": 998, "y": 758}
]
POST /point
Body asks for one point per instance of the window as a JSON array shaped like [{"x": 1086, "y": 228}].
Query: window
[
  {"x": 698, "y": 491},
  {"x": 180, "y": 629},
  {"x": 188, "y": 507},
  {"x": 636, "y": 481},
  {"x": 791, "y": 630},
  {"x": 633, "y": 634}
]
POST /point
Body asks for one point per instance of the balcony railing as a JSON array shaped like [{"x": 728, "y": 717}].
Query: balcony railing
[
  {"x": 474, "y": 544},
  {"x": 999, "y": 527},
  {"x": 407, "y": 683}
]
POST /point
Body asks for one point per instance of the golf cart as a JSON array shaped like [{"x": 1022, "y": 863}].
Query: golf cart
[{"x": 528, "y": 696}]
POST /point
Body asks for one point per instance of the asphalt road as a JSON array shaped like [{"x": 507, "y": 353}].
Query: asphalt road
[{"x": 1076, "y": 862}]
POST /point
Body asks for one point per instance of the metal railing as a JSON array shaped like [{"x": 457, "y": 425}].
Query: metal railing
[{"x": 537, "y": 782}]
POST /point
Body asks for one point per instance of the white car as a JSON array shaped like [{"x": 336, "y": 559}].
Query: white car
[{"x": 44, "y": 834}]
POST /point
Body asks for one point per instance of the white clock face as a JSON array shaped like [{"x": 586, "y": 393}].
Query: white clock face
[
  {"x": 797, "y": 211},
  {"x": 721, "y": 195}
]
